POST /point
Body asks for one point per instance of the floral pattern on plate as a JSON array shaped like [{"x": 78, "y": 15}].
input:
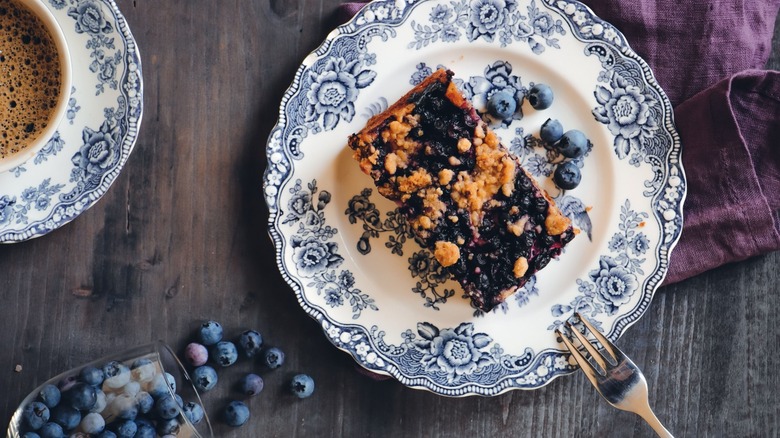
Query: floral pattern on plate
[
  {"x": 86, "y": 154},
  {"x": 349, "y": 255}
]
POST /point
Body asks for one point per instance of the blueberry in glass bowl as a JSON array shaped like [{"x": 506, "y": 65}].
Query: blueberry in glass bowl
[{"x": 116, "y": 397}]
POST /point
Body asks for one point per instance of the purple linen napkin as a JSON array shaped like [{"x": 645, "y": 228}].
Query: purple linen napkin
[{"x": 705, "y": 53}]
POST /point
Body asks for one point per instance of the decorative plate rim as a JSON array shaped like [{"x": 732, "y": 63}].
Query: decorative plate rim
[
  {"x": 651, "y": 283},
  {"x": 63, "y": 212}
]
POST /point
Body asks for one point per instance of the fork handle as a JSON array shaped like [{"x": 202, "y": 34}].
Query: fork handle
[{"x": 648, "y": 415}]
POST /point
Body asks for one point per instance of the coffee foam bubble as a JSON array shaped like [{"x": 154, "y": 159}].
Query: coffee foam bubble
[{"x": 29, "y": 77}]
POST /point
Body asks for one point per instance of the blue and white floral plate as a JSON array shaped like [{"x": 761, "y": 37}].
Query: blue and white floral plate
[
  {"x": 348, "y": 255},
  {"x": 94, "y": 140}
]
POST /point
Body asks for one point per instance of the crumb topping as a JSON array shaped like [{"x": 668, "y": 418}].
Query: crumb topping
[
  {"x": 521, "y": 267},
  {"x": 518, "y": 228},
  {"x": 446, "y": 253},
  {"x": 556, "y": 223}
]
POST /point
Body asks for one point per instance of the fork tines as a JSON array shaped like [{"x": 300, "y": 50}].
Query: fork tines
[{"x": 609, "y": 350}]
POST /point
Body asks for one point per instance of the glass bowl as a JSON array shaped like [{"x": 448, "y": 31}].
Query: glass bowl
[{"x": 130, "y": 382}]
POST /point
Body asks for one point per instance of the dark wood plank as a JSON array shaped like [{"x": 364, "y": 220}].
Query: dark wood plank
[{"x": 181, "y": 237}]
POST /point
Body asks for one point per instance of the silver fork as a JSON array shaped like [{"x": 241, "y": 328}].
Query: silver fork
[{"x": 618, "y": 380}]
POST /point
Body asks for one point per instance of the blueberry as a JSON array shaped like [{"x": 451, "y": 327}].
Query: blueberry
[
  {"x": 573, "y": 144},
  {"x": 236, "y": 414},
  {"x": 30, "y": 435},
  {"x": 100, "y": 402},
  {"x": 204, "y": 378},
  {"x": 145, "y": 431},
  {"x": 132, "y": 388},
  {"x": 196, "y": 354},
  {"x": 161, "y": 384},
  {"x": 552, "y": 131},
  {"x": 302, "y": 385},
  {"x": 273, "y": 357},
  {"x": 250, "y": 385},
  {"x": 107, "y": 434},
  {"x": 145, "y": 402},
  {"x": 225, "y": 353},
  {"x": 567, "y": 175},
  {"x": 251, "y": 342},
  {"x": 51, "y": 430},
  {"x": 66, "y": 416},
  {"x": 35, "y": 415},
  {"x": 193, "y": 412},
  {"x": 93, "y": 424},
  {"x": 168, "y": 427},
  {"x": 143, "y": 370},
  {"x": 125, "y": 407},
  {"x": 116, "y": 374},
  {"x": 166, "y": 407},
  {"x": 50, "y": 395},
  {"x": 82, "y": 396},
  {"x": 91, "y": 376},
  {"x": 210, "y": 333},
  {"x": 126, "y": 429},
  {"x": 540, "y": 96},
  {"x": 502, "y": 105}
]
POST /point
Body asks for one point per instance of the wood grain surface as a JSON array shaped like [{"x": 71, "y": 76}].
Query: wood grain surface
[{"x": 181, "y": 237}]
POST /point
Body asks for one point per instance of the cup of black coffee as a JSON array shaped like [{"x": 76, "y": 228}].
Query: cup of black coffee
[{"x": 35, "y": 79}]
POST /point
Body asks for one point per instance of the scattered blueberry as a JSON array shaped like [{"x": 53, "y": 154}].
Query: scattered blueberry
[
  {"x": 168, "y": 427},
  {"x": 145, "y": 402},
  {"x": 250, "y": 385},
  {"x": 251, "y": 342},
  {"x": 573, "y": 144},
  {"x": 35, "y": 415},
  {"x": 273, "y": 357},
  {"x": 51, "y": 430},
  {"x": 224, "y": 353},
  {"x": 236, "y": 414},
  {"x": 210, "y": 333},
  {"x": 540, "y": 96},
  {"x": 502, "y": 105},
  {"x": 66, "y": 416},
  {"x": 91, "y": 376},
  {"x": 567, "y": 175},
  {"x": 166, "y": 407},
  {"x": 552, "y": 131},
  {"x": 196, "y": 354},
  {"x": 302, "y": 385},
  {"x": 193, "y": 412},
  {"x": 126, "y": 429},
  {"x": 107, "y": 434},
  {"x": 50, "y": 396},
  {"x": 82, "y": 396},
  {"x": 204, "y": 378},
  {"x": 93, "y": 424},
  {"x": 116, "y": 374}
]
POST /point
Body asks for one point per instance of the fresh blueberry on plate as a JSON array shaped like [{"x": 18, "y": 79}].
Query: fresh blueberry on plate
[
  {"x": 225, "y": 353},
  {"x": 502, "y": 105},
  {"x": 540, "y": 96},
  {"x": 210, "y": 333},
  {"x": 250, "y": 385},
  {"x": 552, "y": 131},
  {"x": 50, "y": 396},
  {"x": 251, "y": 342},
  {"x": 236, "y": 414},
  {"x": 273, "y": 357},
  {"x": 573, "y": 144},
  {"x": 302, "y": 385},
  {"x": 204, "y": 378},
  {"x": 567, "y": 175}
]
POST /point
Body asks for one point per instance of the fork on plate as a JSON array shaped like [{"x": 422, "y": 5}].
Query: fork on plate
[{"x": 613, "y": 374}]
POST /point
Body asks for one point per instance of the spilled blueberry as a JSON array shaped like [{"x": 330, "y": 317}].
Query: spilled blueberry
[
  {"x": 193, "y": 412},
  {"x": 251, "y": 342},
  {"x": 250, "y": 385},
  {"x": 196, "y": 354},
  {"x": 302, "y": 385},
  {"x": 502, "y": 105},
  {"x": 236, "y": 414},
  {"x": 573, "y": 144},
  {"x": 273, "y": 357},
  {"x": 204, "y": 378},
  {"x": 210, "y": 333},
  {"x": 225, "y": 353}
]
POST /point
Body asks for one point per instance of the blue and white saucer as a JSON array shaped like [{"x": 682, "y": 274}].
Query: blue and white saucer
[{"x": 93, "y": 142}]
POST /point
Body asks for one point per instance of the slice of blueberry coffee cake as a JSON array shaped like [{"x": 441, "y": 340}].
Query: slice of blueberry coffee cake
[{"x": 463, "y": 193}]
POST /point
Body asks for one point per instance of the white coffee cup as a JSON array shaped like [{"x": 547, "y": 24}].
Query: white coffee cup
[{"x": 41, "y": 11}]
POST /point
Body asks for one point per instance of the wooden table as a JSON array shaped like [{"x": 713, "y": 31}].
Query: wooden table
[{"x": 181, "y": 237}]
